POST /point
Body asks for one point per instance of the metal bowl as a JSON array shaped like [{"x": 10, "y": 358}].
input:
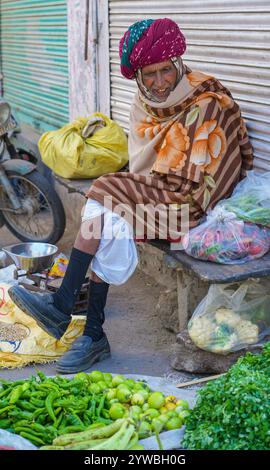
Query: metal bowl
[{"x": 31, "y": 257}]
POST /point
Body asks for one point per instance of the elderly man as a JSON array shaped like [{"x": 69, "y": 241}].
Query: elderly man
[{"x": 187, "y": 145}]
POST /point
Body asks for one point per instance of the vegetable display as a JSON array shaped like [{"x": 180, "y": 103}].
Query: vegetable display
[
  {"x": 46, "y": 409},
  {"x": 233, "y": 412}
]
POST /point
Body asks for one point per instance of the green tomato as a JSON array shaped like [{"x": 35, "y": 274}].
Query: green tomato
[
  {"x": 137, "y": 399},
  {"x": 94, "y": 388},
  {"x": 95, "y": 376},
  {"x": 123, "y": 395},
  {"x": 151, "y": 413},
  {"x": 138, "y": 386},
  {"x": 144, "y": 430},
  {"x": 117, "y": 380},
  {"x": 164, "y": 418},
  {"x": 182, "y": 403},
  {"x": 130, "y": 383},
  {"x": 173, "y": 423},
  {"x": 183, "y": 415},
  {"x": 143, "y": 392},
  {"x": 111, "y": 394},
  {"x": 157, "y": 424},
  {"x": 171, "y": 414},
  {"x": 102, "y": 385},
  {"x": 135, "y": 412},
  {"x": 112, "y": 401},
  {"x": 107, "y": 377},
  {"x": 145, "y": 407},
  {"x": 81, "y": 376},
  {"x": 117, "y": 411},
  {"x": 156, "y": 400}
]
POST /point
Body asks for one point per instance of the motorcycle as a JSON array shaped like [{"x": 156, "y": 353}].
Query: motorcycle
[{"x": 29, "y": 205}]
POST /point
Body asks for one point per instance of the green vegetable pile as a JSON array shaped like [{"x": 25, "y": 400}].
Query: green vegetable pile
[
  {"x": 42, "y": 408},
  {"x": 233, "y": 412},
  {"x": 248, "y": 207}
]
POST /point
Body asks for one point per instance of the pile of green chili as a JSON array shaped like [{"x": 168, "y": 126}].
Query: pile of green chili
[{"x": 41, "y": 408}]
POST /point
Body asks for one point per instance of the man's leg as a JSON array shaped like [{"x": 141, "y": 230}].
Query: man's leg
[
  {"x": 93, "y": 345},
  {"x": 53, "y": 311}
]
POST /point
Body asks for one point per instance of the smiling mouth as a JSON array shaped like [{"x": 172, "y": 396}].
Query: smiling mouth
[{"x": 162, "y": 91}]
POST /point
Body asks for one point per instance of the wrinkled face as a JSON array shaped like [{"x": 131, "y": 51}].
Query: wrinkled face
[{"x": 160, "y": 79}]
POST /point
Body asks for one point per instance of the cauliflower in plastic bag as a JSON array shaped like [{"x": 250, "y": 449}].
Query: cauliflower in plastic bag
[{"x": 231, "y": 317}]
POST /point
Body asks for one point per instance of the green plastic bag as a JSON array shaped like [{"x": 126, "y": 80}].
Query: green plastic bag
[{"x": 69, "y": 153}]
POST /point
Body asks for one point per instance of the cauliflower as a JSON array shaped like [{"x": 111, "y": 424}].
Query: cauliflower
[
  {"x": 248, "y": 332},
  {"x": 228, "y": 316},
  {"x": 200, "y": 329}
]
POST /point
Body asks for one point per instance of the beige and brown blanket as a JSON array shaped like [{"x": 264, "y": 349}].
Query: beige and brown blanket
[{"x": 193, "y": 149}]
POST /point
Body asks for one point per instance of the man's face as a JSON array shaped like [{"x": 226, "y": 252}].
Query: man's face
[{"x": 160, "y": 79}]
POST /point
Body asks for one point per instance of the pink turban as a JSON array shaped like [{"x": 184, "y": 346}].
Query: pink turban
[{"x": 149, "y": 42}]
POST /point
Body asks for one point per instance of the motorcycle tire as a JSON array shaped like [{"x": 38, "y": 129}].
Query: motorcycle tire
[{"x": 53, "y": 201}]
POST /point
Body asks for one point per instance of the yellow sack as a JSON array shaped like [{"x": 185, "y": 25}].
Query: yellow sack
[
  {"x": 71, "y": 155},
  {"x": 23, "y": 342}
]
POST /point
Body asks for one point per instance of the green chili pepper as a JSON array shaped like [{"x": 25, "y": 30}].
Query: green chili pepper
[
  {"x": 49, "y": 404},
  {"x": 4, "y": 423},
  {"x": 4, "y": 403},
  {"x": 34, "y": 439},
  {"x": 38, "y": 403},
  {"x": 21, "y": 414},
  {"x": 69, "y": 429},
  {"x": 7, "y": 408},
  {"x": 5, "y": 392},
  {"x": 26, "y": 405},
  {"x": 15, "y": 394},
  {"x": 100, "y": 406},
  {"x": 59, "y": 420},
  {"x": 38, "y": 412},
  {"x": 41, "y": 376}
]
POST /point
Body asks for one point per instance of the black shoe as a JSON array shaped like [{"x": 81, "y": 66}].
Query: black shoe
[
  {"x": 83, "y": 353},
  {"x": 41, "y": 308}
]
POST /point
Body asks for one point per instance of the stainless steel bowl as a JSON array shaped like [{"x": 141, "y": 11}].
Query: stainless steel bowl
[{"x": 31, "y": 257}]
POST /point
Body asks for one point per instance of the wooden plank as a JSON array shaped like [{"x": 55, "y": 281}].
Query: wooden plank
[{"x": 198, "y": 381}]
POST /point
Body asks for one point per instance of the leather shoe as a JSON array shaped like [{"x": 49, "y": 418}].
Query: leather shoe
[
  {"x": 83, "y": 353},
  {"x": 40, "y": 307}
]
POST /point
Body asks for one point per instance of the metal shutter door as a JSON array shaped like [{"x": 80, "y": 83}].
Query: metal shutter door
[
  {"x": 35, "y": 60},
  {"x": 228, "y": 39}
]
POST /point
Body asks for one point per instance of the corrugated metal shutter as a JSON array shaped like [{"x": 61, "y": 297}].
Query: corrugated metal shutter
[
  {"x": 35, "y": 60},
  {"x": 229, "y": 39}
]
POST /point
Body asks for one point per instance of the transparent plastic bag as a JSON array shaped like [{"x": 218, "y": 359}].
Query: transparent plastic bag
[
  {"x": 250, "y": 200},
  {"x": 9, "y": 441},
  {"x": 223, "y": 238},
  {"x": 232, "y": 317}
]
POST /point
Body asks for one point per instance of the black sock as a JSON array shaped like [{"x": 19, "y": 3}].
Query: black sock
[
  {"x": 95, "y": 311},
  {"x": 65, "y": 297}
]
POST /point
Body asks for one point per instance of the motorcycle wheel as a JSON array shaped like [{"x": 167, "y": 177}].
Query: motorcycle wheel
[{"x": 44, "y": 218}]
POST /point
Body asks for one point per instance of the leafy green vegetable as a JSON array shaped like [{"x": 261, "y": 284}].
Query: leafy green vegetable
[{"x": 233, "y": 412}]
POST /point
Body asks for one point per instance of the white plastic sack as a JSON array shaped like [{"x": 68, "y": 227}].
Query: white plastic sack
[{"x": 116, "y": 258}]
